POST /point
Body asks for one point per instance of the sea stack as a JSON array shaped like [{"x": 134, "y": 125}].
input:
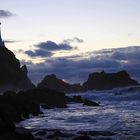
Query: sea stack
[
  {"x": 51, "y": 81},
  {"x": 107, "y": 81}
]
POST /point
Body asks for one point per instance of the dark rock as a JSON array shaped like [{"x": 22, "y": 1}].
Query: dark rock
[
  {"x": 17, "y": 106},
  {"x": 6, "y": 126},
  {"x": 44, "y": 106},
  {"x": 82, "y": 138},
  {"x": 16, "y": 134},
  {"x": 23, "y": 134},
  {"x": 77, "y": 99},
  {"x": 52, "y": 82},
  {"x": 90, "y": 103},
  {"x": 107, "y": 138},
  {"x": 107, "y": 81},
  {"x": 46, "y": 96},
  {"x": 12, "y": 76},
  {"x": 41, "y": 132},
  {"x": 60, "y": 134},
  {"x": 97, "y": 133}
]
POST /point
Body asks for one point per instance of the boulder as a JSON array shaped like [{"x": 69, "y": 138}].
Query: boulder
[
  {"x": 6, "y": 126},
  {"x": 23, "y": 134},
  {"x": 85, "y": 137},
  {"x": 97, "y": 133},
  {"x": 50, "y": 98},
  {"x": 77, "y": 99},
  {"x": 90, "y": 103},
  {"x": 60, "y": 134}
]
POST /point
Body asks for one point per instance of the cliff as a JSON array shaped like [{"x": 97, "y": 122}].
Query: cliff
[{"x": 12, "y": 75}]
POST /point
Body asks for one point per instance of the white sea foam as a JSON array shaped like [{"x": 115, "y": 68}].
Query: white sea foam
[{"x": 119, "y": 111}]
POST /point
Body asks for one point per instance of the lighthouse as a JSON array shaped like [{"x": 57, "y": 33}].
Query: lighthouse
[{"x": 1, "y": 41}]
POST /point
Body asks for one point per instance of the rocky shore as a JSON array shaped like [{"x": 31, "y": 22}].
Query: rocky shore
[{"x": 15, "y": 107}]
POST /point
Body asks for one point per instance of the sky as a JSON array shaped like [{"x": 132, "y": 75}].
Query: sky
[{"x": 73, "y": 38}]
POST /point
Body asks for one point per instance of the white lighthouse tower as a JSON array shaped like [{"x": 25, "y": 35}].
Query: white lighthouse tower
[{"x": 1, "y": 41}]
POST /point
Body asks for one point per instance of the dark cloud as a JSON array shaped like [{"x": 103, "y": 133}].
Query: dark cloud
[
  {"x": 52, "y": 46},
  {"x": 39, "y": 53},
  {"x": 48, "y": 48},
  {"x": 5, "y": 14},
  {"x": 77, "y": 70}
]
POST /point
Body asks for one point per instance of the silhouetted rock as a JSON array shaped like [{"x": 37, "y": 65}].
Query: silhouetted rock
[
  {"x": 97, "y": 133},
  {"x": 6, "y": 126},
  {"x": 49, "y": 97},
  {"x": 82, "y": 138},
  {"x": 79, "y": 99},
  {"x": 23, "y": 134},
  {"x": 12, "y": 76},
  {"x": 52, "y": 82},
  {"x": 58, "y": 134},
  {"x": 90, "y": 103},
  {"x": 15, "y": 107},
  {"x": 106, "y": 81}
]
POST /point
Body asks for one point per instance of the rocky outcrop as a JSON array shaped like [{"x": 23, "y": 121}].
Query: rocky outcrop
[
  {"x": 107, "y": 81},
  {"x": 52, "y": 82},
  {"x": 96, "y": 81},
  {"x": 15, "y": 107},
  {"x": 12, "y": 75},
  {"x": 79, "y": 99}
]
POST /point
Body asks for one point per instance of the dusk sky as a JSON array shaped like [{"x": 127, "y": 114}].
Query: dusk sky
[{"x": 73, "y": 38}]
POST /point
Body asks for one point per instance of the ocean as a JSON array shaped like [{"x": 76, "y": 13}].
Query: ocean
[{"x": 119, "y": 112}]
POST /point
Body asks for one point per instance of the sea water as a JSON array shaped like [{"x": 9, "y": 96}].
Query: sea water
[{"x": 119, "y": 111}]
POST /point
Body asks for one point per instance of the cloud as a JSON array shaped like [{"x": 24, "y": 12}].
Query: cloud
[
  {"x": 73, "y": 40},
  {"x": 5, "y": 14},
  {"x": 10, "y": 41},
  {"x": 77, "y": 70},
  {"x": 48, "y": 48},
  {"x": 38, "y": 53},
  {"x": 52, "y": 46}
]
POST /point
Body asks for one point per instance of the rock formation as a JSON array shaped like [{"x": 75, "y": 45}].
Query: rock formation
[
  {"x": 12, "y": 76},
  {"x": 107, "y": 81},
  {"x": 52, "y": 82}
]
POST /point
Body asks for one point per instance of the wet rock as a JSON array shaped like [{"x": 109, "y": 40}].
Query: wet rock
[
  {"x": 46, "y": 96},
  {"x": 23, "y": 134},
  {"x": 90, "y": 103},
  {"x": 77, "y": 99},
  {"x": 6, "y": 126},
  {"x": 60, "y": 134},
  {"x": 97, "y": 133},
  {"x": 82, "y": 138},
  {"x": 103, "y": 138},
  {"x": 41, "y": 132},
  {"x": 44, "y": 106}
]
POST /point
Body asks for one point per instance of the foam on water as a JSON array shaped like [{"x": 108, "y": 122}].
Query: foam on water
[{"x": 119, "y": 111}]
